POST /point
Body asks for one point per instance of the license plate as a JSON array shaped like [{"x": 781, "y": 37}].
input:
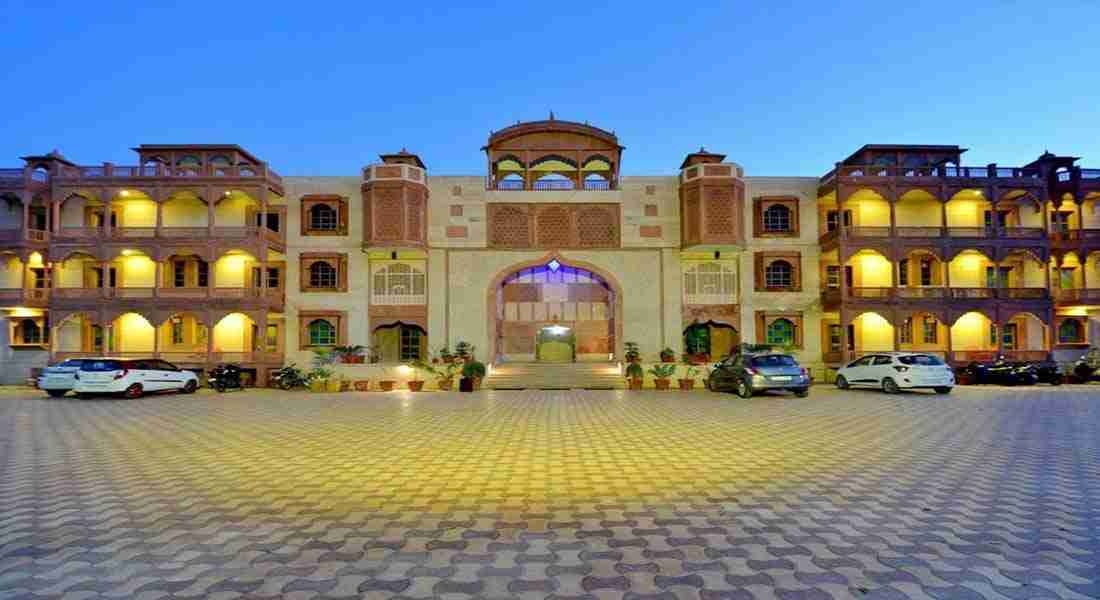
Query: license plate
[{"x": 782, "y": 378}]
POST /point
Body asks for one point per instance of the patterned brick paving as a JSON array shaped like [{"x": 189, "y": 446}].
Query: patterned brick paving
[{"x": 984, "y": 494}]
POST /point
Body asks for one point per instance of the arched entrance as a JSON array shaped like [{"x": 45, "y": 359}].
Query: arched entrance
[{"x": 554, "y": 310}]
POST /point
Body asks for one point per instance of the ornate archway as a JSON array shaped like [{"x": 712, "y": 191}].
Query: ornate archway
[{"x": 554, "y": 292}]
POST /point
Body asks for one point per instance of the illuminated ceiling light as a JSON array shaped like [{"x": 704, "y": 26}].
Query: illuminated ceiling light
[
  {"x": 557, "y": 329},
  {"x": 128, "y": 252},
  {"x": 553, "y": 265}
]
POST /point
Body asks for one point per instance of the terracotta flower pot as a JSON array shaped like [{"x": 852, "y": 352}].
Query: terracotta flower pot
[
  {"x": 687, "y": 384},
  {"x": 362, "y": 385},
  {"x": 661, "y": 384},
  {"x": 668, "y": 359},
  {"x": 446, "y": 384},
  {"x": 416, "y": 386},
  {"x": 387, "y": 385},
  {"x": 634, "y": 383}
]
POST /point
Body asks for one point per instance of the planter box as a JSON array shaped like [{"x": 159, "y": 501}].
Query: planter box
[
  {"x": 661, "y": 384},
  {"x": 416, "y": 386},
  {"x": 362, "y": 385},
  {"x": 387, "y": 385},
  {"x": 686, "y": 384},
  {"x": 353, "y": 360},
  {"x": 634, "y": 384}
]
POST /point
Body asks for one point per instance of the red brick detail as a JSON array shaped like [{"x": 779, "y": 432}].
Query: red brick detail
[
  {"x": 651, "y": 210},
  {"x": 457, "y": 231},
  {"x": 456, "y": 210},
  {"x": 650, "y": 231}
]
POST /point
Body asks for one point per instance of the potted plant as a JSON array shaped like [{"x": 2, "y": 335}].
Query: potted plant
[
  {"x": 350, "y": 354},
  {"x": 387, "y": 385},
  {"x": 634, "y": 376},
  {"x": 474, "y": 370},
  {"x": 362, "y": 385},
  {"x": 445, "y": 376},
  {"x": 417, "y": 382},
  {"x": 319, "y": 378},
  {"x": 633, "y": 355},
  {"x": 695, "y": 358},
  {"x": 661, "y": 374},
  {"x": 444, "y": 356},
  {"x": 687, "y": 382},
  {"x": 668, "y": 355},
  {"x": 463, "y": 350},
  {"x": 334, "y": 384}
]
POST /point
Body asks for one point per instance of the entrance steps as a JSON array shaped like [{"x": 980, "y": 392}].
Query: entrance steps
[{"x": 554, "y": 376}]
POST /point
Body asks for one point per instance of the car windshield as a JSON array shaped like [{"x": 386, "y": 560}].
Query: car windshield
[
  {"x": 923, "y": 360},
  {"x": 102, "y": 365},
  {"x": 773, "y": 360}
]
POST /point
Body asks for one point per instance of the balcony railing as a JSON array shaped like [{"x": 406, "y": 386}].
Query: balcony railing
[
  {"x": 161, "y": 170},
  {"x": 275, "y": 295},
  {"x": 24, "y": 295},
  {"x": 1090, "y": 173},
  {"x": 11, "y": 175},
  {"x": 516, "y": 185},
  {"x": 166, "y": 232},
  {"x": 932, "y": 232},
  {"x": 710, "y": 299},
  {"x": 890, "y": 294},
  {"x": 24, "y": 235},
  {"x": 399, "y": 299},
  {"x": 931, "y": 172},
  {"x": 1075, "y": 234},
  {"x": 182, "y": 357},
  {"x": 1088, "y": 295}
]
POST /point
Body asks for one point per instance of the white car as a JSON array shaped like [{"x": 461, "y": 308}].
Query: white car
[
  {"x": 896, "y": 371},
  {"x": 60, "y": 378},
  {"x": 132, "y": 377}
]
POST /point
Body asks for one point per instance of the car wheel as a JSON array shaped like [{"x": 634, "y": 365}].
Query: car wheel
[
  {"x": 83, "y": 395},
  {"x": 802, "y": 393},
  {"x": 56, "y": 393},
  {"x": 1056, "y": 380},
  {"x": 709, "y": 384},
  {"x": 890, "y": 386},
  {"x": 190, "y": 387},
  {"x": 134, "y": 391},
  {"x": 842, "y": 382},
  {"x": 220, "y": 386},
  {"x": 943, "y": 390},
  {"x": 744, "y": 389}
]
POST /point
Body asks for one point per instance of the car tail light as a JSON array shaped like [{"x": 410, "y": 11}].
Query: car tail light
[
  {"x": 900, "y": 369},
  {"x": 121, "y": 374}
]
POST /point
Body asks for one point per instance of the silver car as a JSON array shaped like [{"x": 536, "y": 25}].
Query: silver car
[
  {"x": 60, "y": 378},
  {"x": 747, "y": 374}
]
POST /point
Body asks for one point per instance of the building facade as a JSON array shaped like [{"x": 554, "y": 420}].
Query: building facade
[{"x": 202, "y": 254}]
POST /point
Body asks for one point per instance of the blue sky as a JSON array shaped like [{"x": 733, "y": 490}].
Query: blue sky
[{"x": 322, "y": 88}]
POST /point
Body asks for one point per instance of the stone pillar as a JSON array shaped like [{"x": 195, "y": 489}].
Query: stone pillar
[
  {"x": 160, "y": 217},
  {"x": 209, "y": 213},
  {"x": 437, "y": 292},
  {"x": 672, "y": 300},
  {"x": 107, "y": 210}
]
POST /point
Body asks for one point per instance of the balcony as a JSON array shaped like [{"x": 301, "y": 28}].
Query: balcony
[
  {"x": 109, "y": 171},
  {"x": 832, "y": 296},
  {"x": 67, "y": 233},
  {"x": 710, "y": 299},
  {"x": 929, "y": 173},
  {"x": 31, "y": 297},
  {"x": 1078, "y": 296},
  {"x": 857, "y": 233},
  {"x": 20, "y": 236},
  {"x": 244, "y": 298},
  {"x": 187, "y": 359},
  {"x": 399, "y": 299},
  {"x": 551, "y": 185}
]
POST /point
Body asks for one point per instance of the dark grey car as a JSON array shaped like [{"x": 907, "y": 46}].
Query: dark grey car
[{"x": 747, "y": 374}]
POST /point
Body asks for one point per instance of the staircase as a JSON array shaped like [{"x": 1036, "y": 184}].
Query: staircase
[{"x": 554, "y": 376}]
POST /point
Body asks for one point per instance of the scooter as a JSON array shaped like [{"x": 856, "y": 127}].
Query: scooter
[
  {"x": 1087, "y": 368},
  {"x": 288, "y": 377},
  {"x": 226, "y": 377}
]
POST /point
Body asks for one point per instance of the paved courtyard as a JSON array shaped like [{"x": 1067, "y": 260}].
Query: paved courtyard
[{"x": 987, "y": 493}]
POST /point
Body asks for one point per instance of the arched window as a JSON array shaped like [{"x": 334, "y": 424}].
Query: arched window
[
  {"x": 31, "y": 333},
  {"x": 399, "y": 284},
  {"x": 1071, "y": 332},
  {"x": 321, "y": 333},
  {"x": 710, "y": 283},
  {"x": 778, "y": 274},
  {"x": 322, "y": 217},
  {"x": 777, "y": 219},
  {"x": 322, "y": 275},
  {"x": 780, "y": 332}
]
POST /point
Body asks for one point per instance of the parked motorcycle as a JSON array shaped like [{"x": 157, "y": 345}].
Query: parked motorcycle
[
  {"x": 288, "y": 377},
  {"x": 1004, "y": 372},
  {"x": 1087, "y": 368},
  {"x": 225, "y": 377}
]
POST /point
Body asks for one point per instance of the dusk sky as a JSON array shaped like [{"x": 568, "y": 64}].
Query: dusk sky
[{"x": 320, "y": 89}]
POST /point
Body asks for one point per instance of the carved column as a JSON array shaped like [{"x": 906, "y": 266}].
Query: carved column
[
  {"x": 844, "y": 355},
  {"x": 160, "y": 216},
  {"x": 157, "y": 278},
  {"x": 209, "y": 213},
  {"x": 108, "y": 202}
]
